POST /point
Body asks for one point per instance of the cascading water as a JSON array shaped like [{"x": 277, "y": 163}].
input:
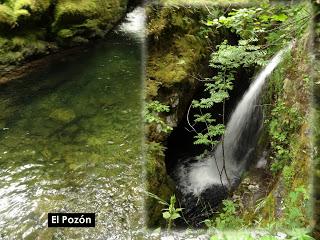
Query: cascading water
[
  {"x": 211, "y": 175},
  {"x": 134, "y": 24}
]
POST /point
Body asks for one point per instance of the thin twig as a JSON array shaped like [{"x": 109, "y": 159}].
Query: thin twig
[
  {"x": 280, "y": 39},
  {"x": 208, "y": 9},
  {"x": 201, "y": 80},
  {"x": 223, "y": 122},
  {"x": 183, "y": 217},
  {"x": 189, "y": 120},
  {"x": 220, "y": 173}
]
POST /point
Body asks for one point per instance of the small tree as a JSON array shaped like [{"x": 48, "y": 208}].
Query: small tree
[{"x": 226, "y": 60}]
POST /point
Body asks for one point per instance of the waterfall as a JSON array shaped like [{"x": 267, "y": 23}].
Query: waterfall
[
  {"x": 240, "y": 141},
  {"x": 134, "y": 23}
]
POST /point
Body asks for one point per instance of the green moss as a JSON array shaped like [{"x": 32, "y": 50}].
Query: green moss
[
  {"x": 65, "y": 33},
  {"x": 6, "y": 15},
  {"x": 17, "y": 48},
  {"x": 173, "y": 57},
  {"x": 158, "y": 183},
  {"x": 152, "y": 88},
  {"x": 39, "y": 6},
  {"x": 14, "y": 12},
  {"x": 86, "y": 17},
  {"x": 73, "y": 12},
  {"x": 29, "y": 28}
]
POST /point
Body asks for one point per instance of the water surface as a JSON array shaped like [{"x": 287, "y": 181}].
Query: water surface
[{"x": 70, "y": 141}]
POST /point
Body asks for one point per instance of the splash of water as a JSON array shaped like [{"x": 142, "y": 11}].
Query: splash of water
[
  {"x": 240, "y": 140},
  {"x": 134, "y": 23}
]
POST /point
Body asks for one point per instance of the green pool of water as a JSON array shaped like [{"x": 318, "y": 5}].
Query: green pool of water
[{"x": 70, "y": 141}]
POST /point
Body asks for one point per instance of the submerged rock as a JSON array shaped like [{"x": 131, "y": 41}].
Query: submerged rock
[{"x": 63, "y": 115}]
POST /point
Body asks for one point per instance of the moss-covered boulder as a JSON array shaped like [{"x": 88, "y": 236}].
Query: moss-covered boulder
[{"x": 79, "y": 20}]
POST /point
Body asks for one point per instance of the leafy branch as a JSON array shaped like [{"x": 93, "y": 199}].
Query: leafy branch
[
  {"x": 152, "y": 111},
  {"x": 226, "y": 60}
]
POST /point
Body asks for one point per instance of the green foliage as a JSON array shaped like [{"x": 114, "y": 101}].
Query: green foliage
[
  {"x": 172, "y": 57},
  {"x": 262, "y": 31},
  {"x": 152, "y": 111},
  {"x": 283, "y": 123},
  {"x": 170, "y": 213},
  {"x": 228, "y": 218},
  {"x": 73, "y": 12},
  {"x": 156, "y": 106},
  {"x": 15, "y": 12},
  {"x": 233, "y": 236},
  {"x": 268, "y": 237},
  {"x": 154, "y": 148},
  {"x": 245, "y": 54},
  {"x": 226, "y": 60},
  {"x": 212, "y": 2},
  {"x": 288, "y": 175},
  {"x": 207, "y": 138},
  {"x": 295, "y": 207},
  {"x": 86, "y": 18},
  {"x": 300, "y": 234},
  {"x": 271, "y": 24},
  {"x": 251, "y": 22},
  {"x": 6, "y": 15},
  {"x": 296, "y": 234}
]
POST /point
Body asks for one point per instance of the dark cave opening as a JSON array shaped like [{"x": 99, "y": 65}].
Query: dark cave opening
[{"x": 180, "y": 142}]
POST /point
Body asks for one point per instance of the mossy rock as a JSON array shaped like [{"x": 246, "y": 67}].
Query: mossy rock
[
  {"x": 86, "y": 18},
  {"x": 70, "y": 12},
  {"x": 62, "y": 23},
  {"x": 158, "y": 183},
  {"x": 65, "y": 33}
]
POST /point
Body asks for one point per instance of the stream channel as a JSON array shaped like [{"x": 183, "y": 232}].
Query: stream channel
[{"x": 70, "y": 141}]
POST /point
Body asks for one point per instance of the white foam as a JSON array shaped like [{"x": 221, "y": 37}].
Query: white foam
[{"x": 134, "y": 23}]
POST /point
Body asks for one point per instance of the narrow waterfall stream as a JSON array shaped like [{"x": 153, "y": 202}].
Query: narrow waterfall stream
[{"x": 199, "y": 177}]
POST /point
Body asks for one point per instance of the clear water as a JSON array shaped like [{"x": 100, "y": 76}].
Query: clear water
[{"x": 70, "y": 141}]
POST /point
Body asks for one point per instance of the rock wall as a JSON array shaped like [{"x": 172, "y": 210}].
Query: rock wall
[{"x": 178, "y": 50}]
